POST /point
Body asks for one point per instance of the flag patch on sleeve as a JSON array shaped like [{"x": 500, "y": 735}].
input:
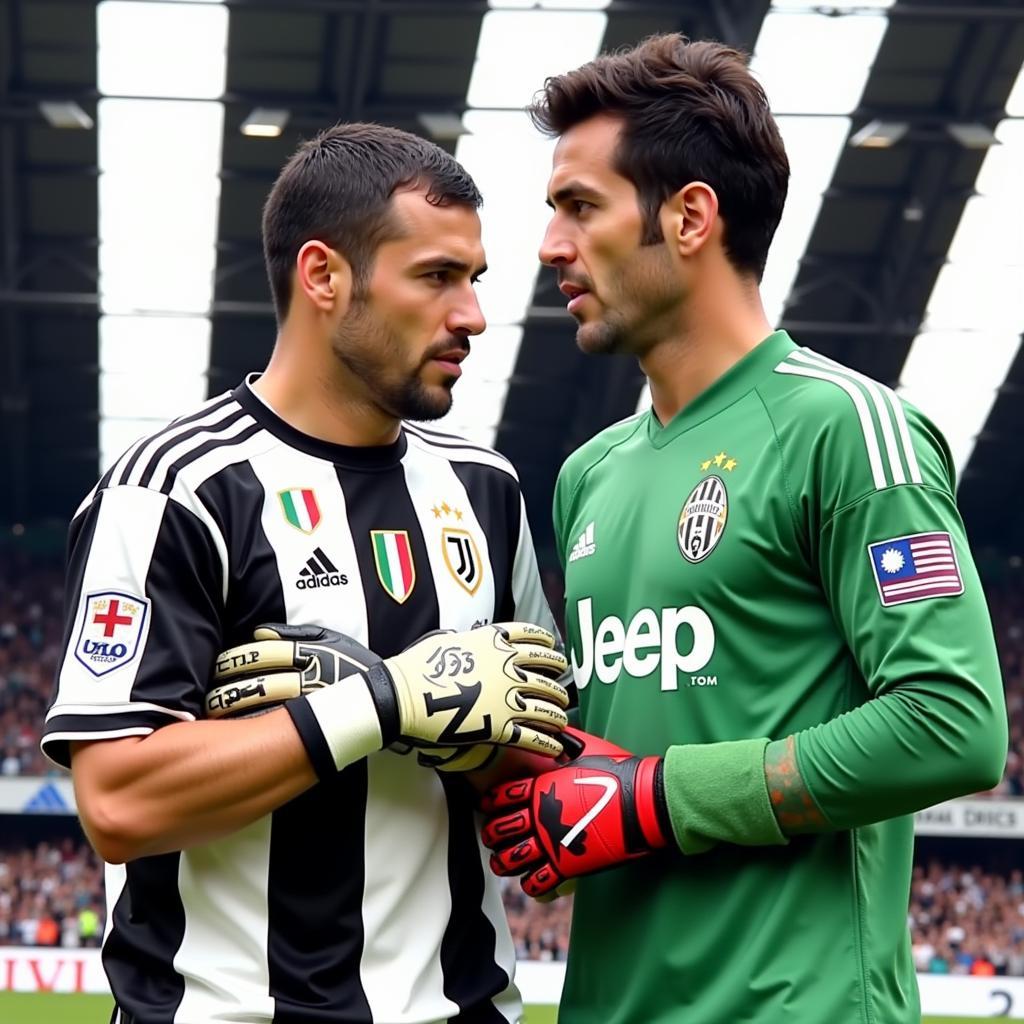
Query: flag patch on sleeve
[
  {"x": 112, "y": 626},
  {"x": 915, "y": 567}
]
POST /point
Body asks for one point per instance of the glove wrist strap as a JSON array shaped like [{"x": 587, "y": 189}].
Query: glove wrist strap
[
  {"x": 385, "y": 699},
  {"x": 337, "y": 724},
  {"x": 651, "y": 805}
]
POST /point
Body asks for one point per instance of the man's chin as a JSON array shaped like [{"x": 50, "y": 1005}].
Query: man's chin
[
  {"x": 599, "y": 339},
  {"x": 429, "y": 403}
]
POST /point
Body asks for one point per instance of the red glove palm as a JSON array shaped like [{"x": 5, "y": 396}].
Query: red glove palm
[{"x": 603, "y": 807}]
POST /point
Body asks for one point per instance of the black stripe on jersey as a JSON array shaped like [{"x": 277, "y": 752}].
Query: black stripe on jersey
[
  {"x": 197, "y": 453},
  {"x": 174, "y": 425},
  {"x": 141, "y": 973},
  {"x": 98, "y": 727},
  {"x": 315, "y": 886},
  {"x": 230, "y": 416},
  {"x": 495, "y": 500},
  {"x": 315, "y": 901},
  {"x": 471, "y": 976},
  {"x": 381, "y": 502},
  {"x": 234, "y": 498}
]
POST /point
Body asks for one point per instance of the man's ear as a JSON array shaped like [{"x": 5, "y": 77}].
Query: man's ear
[
  {"x": 324, "y": 276},
  {"x": 689, "y": 217}
]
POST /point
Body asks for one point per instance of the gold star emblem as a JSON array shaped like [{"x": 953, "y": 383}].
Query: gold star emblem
[
  {"x": 705, "y": 466},
  {"x": 720, "y": 458},
  {"x": 437, "y": 512},
  {"x": 458, "y": 514},
  {"x": 730, "y": 465},
  {"x": 446, "y": 508}
]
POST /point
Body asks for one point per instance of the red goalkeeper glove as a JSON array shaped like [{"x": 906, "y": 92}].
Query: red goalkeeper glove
[{"x": 603, "y": 807}]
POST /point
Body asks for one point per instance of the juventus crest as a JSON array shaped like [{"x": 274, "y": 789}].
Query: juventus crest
[
  {"x": 702, "y": 519},
  {"x": 462, "y": 558}
]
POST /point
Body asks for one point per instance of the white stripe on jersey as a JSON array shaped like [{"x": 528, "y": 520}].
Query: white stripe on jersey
[
  {"x": 343, "y": 607},
  {"x": 527, "y": 592},
  {"x": 189, "y": 479},
  {"x": 115, "y": 877},
  {"x": 456, "y": 449},
  {"x": 863, "y": 413},
  {"x": 159, "y": 474},
  {"x": 406, "y": 859},
  {"x": 895, "y": 405},
  {"x": 116, "y": 563},
  {"x": 223, "y": 953},
  {"x": 881, "y": 409},
  {"x": 431, "y": 481},
  {"x": 157, "y": 441}
]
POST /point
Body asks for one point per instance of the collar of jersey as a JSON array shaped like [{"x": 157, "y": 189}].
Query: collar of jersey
[
  {"x": 733, "y": 384},
  {"x": 369, "y": 457}
]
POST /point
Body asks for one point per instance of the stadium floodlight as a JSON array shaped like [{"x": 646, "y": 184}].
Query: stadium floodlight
[
  {"x": 879, "y": 134},
  {"x": 973, "y": 321},
  {"x": 159, "y": 195},
  {"x": 65, "y": 115},
  {"x": 265, "y": 122},
  {"x": 442, "y": 127},
  {"x": 973, "y": 135}
]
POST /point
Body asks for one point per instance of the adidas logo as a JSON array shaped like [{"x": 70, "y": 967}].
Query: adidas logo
[
  {"x": 585, "y": 546},
  {"x": 320, "y": 571}
]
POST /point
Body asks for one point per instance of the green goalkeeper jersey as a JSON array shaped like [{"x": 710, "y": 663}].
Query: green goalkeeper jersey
[{"x": 784, "y": 557}]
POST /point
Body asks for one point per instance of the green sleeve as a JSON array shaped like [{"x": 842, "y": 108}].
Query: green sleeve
[{"x": 936, "y": 727}]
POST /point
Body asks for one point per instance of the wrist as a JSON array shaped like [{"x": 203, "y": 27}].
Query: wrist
[
  {"x": 380, "y": 685},
  {"x": 338, "y": 724}
]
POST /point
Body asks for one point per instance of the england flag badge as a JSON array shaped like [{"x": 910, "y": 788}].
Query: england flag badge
[
  {"x": 113, "y": 625},
  {"x": 915, "y": 567}
]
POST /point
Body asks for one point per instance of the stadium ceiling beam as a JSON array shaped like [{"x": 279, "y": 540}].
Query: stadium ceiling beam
[{"x": 933, "y": 169}]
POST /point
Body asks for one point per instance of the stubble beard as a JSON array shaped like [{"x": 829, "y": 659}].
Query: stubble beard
[{"x": 367, "y": 348}]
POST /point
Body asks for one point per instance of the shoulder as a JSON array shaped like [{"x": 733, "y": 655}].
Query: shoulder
[
  {"x": 597, "y": 449},
  {"x": 830, "y": 416},
  {"x": 459, "y": 450},
  {"x": 173, "y": 461}
]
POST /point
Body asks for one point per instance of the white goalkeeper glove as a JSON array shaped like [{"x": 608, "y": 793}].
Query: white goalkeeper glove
[{"x": 489, "y": 685}]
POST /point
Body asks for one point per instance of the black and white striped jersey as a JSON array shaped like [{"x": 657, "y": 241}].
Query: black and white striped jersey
[{"x": 368, "y": 898}]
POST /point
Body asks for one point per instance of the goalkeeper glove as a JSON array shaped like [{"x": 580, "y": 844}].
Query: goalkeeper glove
[
  {"x": 604, "y": 807},
  {"x": 493, "y": 684}
]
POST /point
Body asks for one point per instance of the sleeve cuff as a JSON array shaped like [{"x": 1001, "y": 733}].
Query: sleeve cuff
[{"x": 717, "y": 793}]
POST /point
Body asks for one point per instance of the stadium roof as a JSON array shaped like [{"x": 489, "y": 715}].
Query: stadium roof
[{"x": 131, "y": 277}]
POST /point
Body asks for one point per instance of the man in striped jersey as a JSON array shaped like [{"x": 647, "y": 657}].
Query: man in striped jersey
[
  {"x": 284, "y": 868},
  {"x": 770, "y": 599}
]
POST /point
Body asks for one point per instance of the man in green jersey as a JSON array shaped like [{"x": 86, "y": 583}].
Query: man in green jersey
[{"x": 775, "y": 622}]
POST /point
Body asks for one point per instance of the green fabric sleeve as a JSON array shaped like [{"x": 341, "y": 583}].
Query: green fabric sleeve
[{"x": 716, "y": 793}]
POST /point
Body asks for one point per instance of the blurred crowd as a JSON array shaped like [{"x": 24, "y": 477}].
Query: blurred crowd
[
  {"x": 30, "y": 644},
  {"x": 51, "y": 895},
  {"x": 967, "y": 921}
]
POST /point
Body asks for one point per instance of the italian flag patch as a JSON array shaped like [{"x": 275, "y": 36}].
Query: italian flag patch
[
  {"x": 393, "y": 554},
  {"x": 300, "y": 508}
]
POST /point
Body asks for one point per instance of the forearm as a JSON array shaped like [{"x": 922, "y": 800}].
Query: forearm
[
  {"x": 187, "y": 783},
  {"x": 914, "y": 747},
  {"x": 911, "y": 748},
  {"x": 192, "y": 782}
]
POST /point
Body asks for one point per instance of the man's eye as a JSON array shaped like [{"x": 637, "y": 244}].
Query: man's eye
[
  {"x": 581, "y": 205},
  {"x": 440, "y": 276}
]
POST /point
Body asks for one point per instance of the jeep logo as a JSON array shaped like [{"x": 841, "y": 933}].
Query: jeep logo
[{"x": 648, "y": 641}]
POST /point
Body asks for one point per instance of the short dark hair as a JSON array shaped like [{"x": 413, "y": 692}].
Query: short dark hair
[
  {"x": 691, "y": 111},
  {"x": 338, "y": 186}
]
